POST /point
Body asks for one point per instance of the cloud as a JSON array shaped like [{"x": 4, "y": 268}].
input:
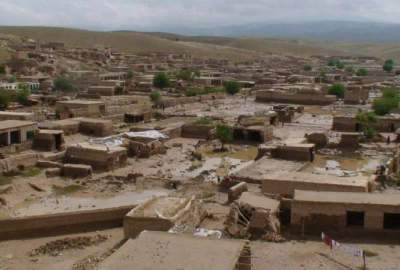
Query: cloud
[{"x": 158, "y": 14}]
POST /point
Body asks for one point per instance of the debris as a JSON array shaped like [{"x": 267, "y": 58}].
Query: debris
[{"x": 55, "y": 248}]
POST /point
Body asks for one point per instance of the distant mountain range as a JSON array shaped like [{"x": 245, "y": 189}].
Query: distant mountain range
[{"x": 344, "y": 31}]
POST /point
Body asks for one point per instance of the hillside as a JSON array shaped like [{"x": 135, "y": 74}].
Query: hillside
[
  {"x": 129, "y": 42},
  {"x": 237, "y": 49}
]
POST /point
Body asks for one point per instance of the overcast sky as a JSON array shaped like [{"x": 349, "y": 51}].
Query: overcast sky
[{"x": 158, "y": 14}]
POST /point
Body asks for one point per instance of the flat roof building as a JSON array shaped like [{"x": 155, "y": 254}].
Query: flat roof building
[{"x": 161, "y": 251}]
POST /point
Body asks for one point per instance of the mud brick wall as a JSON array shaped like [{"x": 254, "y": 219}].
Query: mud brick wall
[
  {"x": 133, "y": 226},
  {"x": 197, "y": 131},
  {"x": 317, "y": 217},
  {"x": 287, "y": 188},
  {"x": 64, "y": 223},
  {"x": 298, "y": 98}
]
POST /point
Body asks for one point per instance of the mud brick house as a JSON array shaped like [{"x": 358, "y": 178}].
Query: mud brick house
[
  {"x": 346, "y": 213},
  {"x": 101, "y": 158},
  {"x": 95, "y": 127},
  {"x": 80, "y": 108},
  {"x": 17, "y": 132},
  {"x": 306, "y": 98},
  {"x": 299, "y": 152},
  {"x": 356, "y": 94},
  {"x": 49, "y": 140},
  {"x": 113, "y": 76},
  {"x": 22, "y": 116},
  {"x": 350, "y": 124},
  {"x": 161, "y": 251},
  {"x": 145, "y": 144},
  {"x": 102, "y": 90},
  {"x": 138, "y": 115},
  {"x": 285, "y": 184},
  {"x": 161, "y": 214}
]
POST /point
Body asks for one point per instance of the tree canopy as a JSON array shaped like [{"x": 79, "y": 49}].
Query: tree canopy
[
  {"x": 63, "y": 84},
  {"x": 224, "y": 134},
  {"x": 161, "y": 80},
  {"x": 367, "y": 119},
  {"x": 155, "y": 97},
  {"x": 362, "y": 72},
  {"x": 390, "y": 100},
  {"x": 337, "y": 89},
  {"x": 232, "y": 87},
  {"x": 388, "y": 66}
]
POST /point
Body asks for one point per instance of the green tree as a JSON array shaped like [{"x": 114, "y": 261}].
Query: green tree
[
  {"x": 388, "y": 66},
  {"x": 362, "y": 72},
  {"x": 4, "y": 100},
  {"x": 12, "y": 79},
  {"x": 155, "y": 97},
  {"x": 232, "y": 87},
  {"x": 63, "y": 84},
  {"x": 349, "y": 69},
  {"x": 307, "y": 68},
  {"x": 161, "y": 80},
  {"x": 390, "y": 100},
  {"x": 2, "y": 70},
  {"x": 22, "y": 97},
  {"x": 337, "y": 89},
  {"x": 129, "y": 75},
  {"x": 367, "y": 119},
  {"x": 224, "y": 134},
  {"x": 187, "y": 74}
]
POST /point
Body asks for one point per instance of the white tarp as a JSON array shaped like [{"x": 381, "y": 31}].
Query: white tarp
[{"x": 153, "y": 134}]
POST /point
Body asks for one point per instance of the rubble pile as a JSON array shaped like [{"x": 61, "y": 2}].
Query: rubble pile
[
  {"x": 54, "y": 248},
  {"x": 247, "y": 220}
]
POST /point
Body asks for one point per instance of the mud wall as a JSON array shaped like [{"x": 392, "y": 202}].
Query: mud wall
[
  {"x": 63, "y": 223},
  {"x": 297, "y": 98},
  {"x": 133, "y": 226},
  {"x": 317, "y": 217},
  {"x": 287, "y": 188}
]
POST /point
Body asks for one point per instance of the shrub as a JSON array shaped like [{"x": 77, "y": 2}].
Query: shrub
[
  {"x": 366, "y": 119},
  {"x": 63, "y": 84},
  {"x": 232, "y": 87},
  {"x": 22, "y": 97},
  {"x": 307, "y": 67},
  {"x": 389, "y": 101},
  {"x": 388, "y": 66},
  {"x": 224, "y": 134},
  {"x": 161, "y": 80},
  {"x": 362, "y": 72},
  {"x": 337, "y": 89},
  {"x": 4, "y": 100},
  {"x": 155, "y": 97}
]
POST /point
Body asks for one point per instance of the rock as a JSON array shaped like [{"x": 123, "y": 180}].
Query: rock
[
  {"x": 3, "y": 201},
  {"x": 6, "y": 189},
  {"x": 53, "y": 172},
  {"x": 36, "y": 187}
]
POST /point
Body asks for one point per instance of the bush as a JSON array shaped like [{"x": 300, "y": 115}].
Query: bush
[
  {"x": 155, "y": 97},
  {"x": 4, "y": 100},
  {"x": 224, "y": 134},
  {"x": 388, "y": 66},
  {"x": 232, "y": 87},
  {"x": 129, "y": 75},
  {"x": 336, "y": 63},
  {"x": 307, "y": 67},
  {"x": 63, "y": 84},
  {"x": 161, "y": 80},
  {"x": 22, "y": 97},
  {"x": 366, "y": 119},
  {"x": 389, "y": 101},
  {"x": 187, "y": 74},
  {"x": 349, "y": 69},
  {"x": 337, "y": 89},
  {"x": 362, "y": 72},
  {"x": 12, "y": 79},
  {"x": 2, "y": 70}
]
